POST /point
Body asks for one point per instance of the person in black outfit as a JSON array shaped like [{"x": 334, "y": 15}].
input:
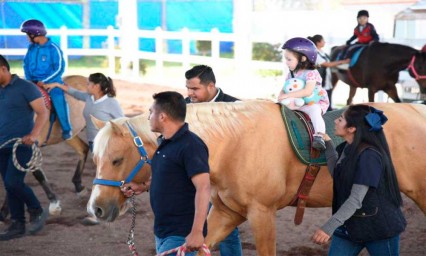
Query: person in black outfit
[
  {"x": 201, "y": 85},
  {"x": 366, "y": 199}
]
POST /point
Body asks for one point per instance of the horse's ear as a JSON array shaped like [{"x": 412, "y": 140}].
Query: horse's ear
[
  {"x": 98, "y": 123},
  {"x": 118, "y": 128}
]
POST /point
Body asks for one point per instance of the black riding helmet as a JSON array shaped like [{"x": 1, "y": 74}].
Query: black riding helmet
[{"x": 362, "y": 13}]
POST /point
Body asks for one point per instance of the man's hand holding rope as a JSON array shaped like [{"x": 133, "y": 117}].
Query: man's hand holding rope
[{"x": 134, "y": 188}]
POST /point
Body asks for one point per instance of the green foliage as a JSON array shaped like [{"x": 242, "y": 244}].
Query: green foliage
[
  {"x": 204, "y": 47},
  {"x": 267, "y": 52}
]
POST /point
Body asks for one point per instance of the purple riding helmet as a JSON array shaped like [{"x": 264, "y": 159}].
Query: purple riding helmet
[
  {"x": 303, "y": 46},
  {"x": 33, "y": 27}
]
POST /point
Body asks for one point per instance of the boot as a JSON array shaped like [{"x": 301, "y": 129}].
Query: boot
[
  {"x": 318, "y": 143},
  {"x": 37, "y": 219},
  {"x": 62, "y": 111},
  {"x": 15, "y": 230}
]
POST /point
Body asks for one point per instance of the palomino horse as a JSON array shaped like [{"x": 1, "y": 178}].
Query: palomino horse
[
  {"x": 378, "y": 68},
  {"x": 81, "y": 147},
  {"x": 254, "y": 171}
]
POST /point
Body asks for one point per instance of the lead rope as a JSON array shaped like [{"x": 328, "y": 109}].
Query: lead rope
[
  {"x": 33, "y": 164},
  {"x": 131, "y": 236}
]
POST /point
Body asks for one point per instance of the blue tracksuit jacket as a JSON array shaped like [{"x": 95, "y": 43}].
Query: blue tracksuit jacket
[{"x": 44, "y": 63}]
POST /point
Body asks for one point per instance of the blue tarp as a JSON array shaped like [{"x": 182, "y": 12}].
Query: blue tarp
[{"x": 201, "y": 15}]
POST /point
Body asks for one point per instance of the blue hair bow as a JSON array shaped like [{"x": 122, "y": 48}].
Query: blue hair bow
[{"x": 375, "y": 119}]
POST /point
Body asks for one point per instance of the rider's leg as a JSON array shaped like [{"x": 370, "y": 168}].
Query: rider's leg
[{"x": 62, "y": 110}]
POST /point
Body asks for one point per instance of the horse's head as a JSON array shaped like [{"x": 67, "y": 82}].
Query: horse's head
[
  {"x": 116, "y": 156},
  {"x": 417, "y": 69}
]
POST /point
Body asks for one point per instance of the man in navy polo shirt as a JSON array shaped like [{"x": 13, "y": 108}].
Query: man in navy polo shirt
[
  {"x": 19, "y": 100},
  {"x": 180, "y": 182}
]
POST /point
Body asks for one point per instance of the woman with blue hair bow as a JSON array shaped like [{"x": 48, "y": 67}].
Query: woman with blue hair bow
[{"x": 366, "y": 199}]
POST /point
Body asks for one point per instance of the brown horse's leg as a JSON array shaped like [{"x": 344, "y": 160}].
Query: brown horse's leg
[
  {"x": 262, "y": 223},
  {"x": 55, "y": 205},
  {"x": 4, "y": 210},
  {"x": 220, "y": 225},
  {"x": 371, "y": 95},
  {"x": 352, "y": 91},
  {"x": 41, "y": 178},
  {"x": 334, "y": 79},
  {"x": 82, "y": 149},
  {"x": 393, "y": 93}
]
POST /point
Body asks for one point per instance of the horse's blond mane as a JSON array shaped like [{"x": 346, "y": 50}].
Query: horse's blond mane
[
  {"x": 221, "y": 119},
  {"x": 209, "y": 120}
]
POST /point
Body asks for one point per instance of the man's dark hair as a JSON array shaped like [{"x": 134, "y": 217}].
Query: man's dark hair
[
  {"x": 4, "y": 63},
  {"x": 203, "y": 72},
  {"x": 171, "y": 103}
]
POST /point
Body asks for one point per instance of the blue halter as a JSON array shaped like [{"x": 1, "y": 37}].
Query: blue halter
[{"x": 144, "y": 159}]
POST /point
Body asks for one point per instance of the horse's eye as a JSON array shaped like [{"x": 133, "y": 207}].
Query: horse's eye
[{"x": 117, "y": 162}]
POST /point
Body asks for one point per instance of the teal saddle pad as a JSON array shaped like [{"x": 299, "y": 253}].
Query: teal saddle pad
[{"x": 300, "y": 139}]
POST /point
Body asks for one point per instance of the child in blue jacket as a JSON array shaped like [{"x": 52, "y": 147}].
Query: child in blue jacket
[{"x": 44, "y": 64}]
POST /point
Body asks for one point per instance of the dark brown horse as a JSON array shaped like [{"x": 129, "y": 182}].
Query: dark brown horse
[{"x": 378, "y": 68}]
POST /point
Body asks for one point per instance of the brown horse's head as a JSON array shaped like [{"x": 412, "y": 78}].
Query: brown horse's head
[
  {"x": 418, "y": 69},
  {"x": 115, "y": 155}
]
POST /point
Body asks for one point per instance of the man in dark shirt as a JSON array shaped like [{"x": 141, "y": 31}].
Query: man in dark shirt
[
  {"x": 19, "y": 100},
  {"x": 201, "y": 85},
  {"x": 180, "y": 182}
]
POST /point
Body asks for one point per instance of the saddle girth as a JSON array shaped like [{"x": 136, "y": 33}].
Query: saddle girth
[{"x": 302, "y": 194}]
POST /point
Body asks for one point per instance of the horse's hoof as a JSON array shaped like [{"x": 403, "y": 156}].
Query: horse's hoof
[
  {"x": 55, "y": 208},
  {"x": 83, "y": 194},
  {"x": 90, "y": 221}
]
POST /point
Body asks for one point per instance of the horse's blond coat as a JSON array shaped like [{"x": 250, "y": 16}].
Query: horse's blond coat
[{"x": 254, "y": 171}]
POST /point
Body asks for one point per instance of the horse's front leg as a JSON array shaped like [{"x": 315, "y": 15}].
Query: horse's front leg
[
  {"x": 393, "y": 93},
  {"x": 262, "y": 223},
  {"x": 371, "y": 94},
  {"x": 220, "y": 224},
  {"x": 82, "y": 149}
]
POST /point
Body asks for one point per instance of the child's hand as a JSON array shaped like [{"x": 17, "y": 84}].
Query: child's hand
[{"x": 282, "y": 97}]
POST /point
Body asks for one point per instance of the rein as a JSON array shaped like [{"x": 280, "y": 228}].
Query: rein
[
  {"x": 180, "y": 251},
  {"x": 413, "y": 69},
  {"x": 113, "y": 183},
  {"x": 35, "y": 161}
]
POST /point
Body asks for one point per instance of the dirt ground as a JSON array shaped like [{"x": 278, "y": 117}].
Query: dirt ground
[{"x": 65, "y": 235}]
